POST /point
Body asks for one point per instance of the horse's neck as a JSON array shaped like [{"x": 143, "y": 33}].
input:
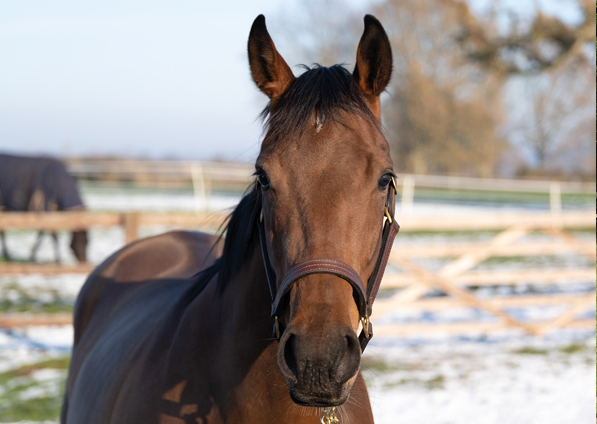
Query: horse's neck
[
  {"x": 247, "y": 303},
  {"x": 249, "y": 346},
  {"x": 245, "y": 358},
  {"x": 225, "y": 337}
]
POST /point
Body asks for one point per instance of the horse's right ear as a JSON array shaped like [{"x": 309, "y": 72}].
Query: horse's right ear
[{"x": 269, "y": 70}]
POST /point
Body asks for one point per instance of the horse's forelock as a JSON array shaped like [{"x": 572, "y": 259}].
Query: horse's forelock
[{"x": 315, "y": 97}]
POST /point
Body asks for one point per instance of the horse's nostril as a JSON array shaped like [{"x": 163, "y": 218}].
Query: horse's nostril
[
  {"x": 290, "y": 354},
  {"x": 353, "y": 344},
  {"x": 349, "y": 358}
]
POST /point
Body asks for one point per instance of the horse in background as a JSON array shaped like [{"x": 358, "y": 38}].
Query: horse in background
[{"x": 39, "y": 184}]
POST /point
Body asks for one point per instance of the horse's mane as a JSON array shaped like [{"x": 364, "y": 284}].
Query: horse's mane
[
  {"x": 238, "y": 237},
  {"x": 320, "y": 93}
]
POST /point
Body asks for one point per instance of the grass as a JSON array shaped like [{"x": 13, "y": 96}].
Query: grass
[
  {"x": 14, "y": 298},
  {"x": 26, "y": 397},
  {"x": 33, "y": 392},
  {"x": 36, "y": 306},
  {"x": 531, "y": 351},
  {"x": 376, "y": 365},
  {"x": 573, "y": 348},
  {"x": 373, "y": 368},
  {"x": 498, "y": 197},
  {"x": 435, "y": 383}
]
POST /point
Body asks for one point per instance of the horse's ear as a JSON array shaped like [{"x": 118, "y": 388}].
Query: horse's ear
[
  {"x": 374, "y": 62},
  {"x": 269, "y": 70}
]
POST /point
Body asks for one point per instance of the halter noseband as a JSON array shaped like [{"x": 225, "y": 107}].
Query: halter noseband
[{"x": 365, "y": 296}]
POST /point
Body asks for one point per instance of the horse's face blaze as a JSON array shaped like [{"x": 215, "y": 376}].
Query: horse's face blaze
[{"x": 322, "y": 199}]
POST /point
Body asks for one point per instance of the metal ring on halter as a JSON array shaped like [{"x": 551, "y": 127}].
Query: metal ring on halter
[{"x": 329, "y": 416}]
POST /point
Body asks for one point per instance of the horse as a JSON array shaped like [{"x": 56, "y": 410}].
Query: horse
[
  {"x": 267, "y": 323},
  {"x": 37, "y": 184}
]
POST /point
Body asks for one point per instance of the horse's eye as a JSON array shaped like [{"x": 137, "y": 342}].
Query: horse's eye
[
  {"x": 263, "y": 179},
  {"x": 384, "y": 181}
]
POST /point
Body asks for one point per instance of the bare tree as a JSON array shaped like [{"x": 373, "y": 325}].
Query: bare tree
[
  {"x": 575, "y": 154},
  {"x": 319, "y": 31},
  {"x": 545, "y": 43},
  {"x": 445, "y": 110},
  {"x": 555, "y": 104}
]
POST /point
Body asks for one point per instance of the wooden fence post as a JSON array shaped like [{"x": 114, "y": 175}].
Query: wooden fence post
[
  {"x": 408, "y": 196},
  {"x": 130, "y": 224},
  {"x": 555, "y": 204},
  {"x": 199, "y": 189}
]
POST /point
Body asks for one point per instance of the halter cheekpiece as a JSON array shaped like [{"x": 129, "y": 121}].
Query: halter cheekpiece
[{"x": 365, "y": 296}]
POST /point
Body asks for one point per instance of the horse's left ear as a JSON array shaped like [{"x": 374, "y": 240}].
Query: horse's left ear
[
  {"x": 269, "y": 70},
  {"x": 374, "y": 62}
]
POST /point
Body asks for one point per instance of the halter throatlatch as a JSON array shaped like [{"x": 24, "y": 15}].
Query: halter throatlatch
[{"x": 365, "y": 296}]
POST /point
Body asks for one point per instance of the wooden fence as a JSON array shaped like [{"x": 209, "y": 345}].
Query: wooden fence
[
  {"x": 410, "y": 288},
  {"x": 204, "y": 177},
  {"x": 239, "y": 175}
]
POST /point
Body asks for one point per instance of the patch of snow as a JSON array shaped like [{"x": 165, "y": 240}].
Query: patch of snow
[
  {"x": 484, "y": 382},
  {"x": 51, "y": 337},
  {"x": 48, "y": 384}
]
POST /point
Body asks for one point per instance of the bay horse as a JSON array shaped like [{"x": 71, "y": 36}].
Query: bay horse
[
  {"x": 259, "y": 326},
  {"x": 40, "y": 184}
]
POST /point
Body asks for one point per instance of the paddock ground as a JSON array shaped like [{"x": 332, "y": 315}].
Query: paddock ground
[{"x": 502, "y": 379}]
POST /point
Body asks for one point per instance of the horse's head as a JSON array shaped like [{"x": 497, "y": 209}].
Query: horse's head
[
  {"x": 324, "y": 170},
  {"x": 78, "y": 244}
]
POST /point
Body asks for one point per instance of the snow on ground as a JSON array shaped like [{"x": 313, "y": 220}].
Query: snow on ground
[
  {"x": 487, "y": 381},
  {"x": 170, "y": 201},
  {"x": 24, "y": 346},
  {"x": 502, "y": 379}
]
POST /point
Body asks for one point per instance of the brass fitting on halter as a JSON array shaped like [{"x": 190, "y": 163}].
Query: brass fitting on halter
[
  {"x": 387, "y": 211},
  {"x": 277, "y": 327},
  {"x": 388, "y": 216},
  {"x": 365, "y": 323},
  {"x": 329, "y": 416}
]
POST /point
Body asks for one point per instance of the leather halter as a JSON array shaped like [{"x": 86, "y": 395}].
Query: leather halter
[{"x": 365, "y": 296}]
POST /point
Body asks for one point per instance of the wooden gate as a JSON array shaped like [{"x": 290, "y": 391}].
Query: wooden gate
[
  {"x": 413, "y": 287},
  {"x": 410, "y": 289}
]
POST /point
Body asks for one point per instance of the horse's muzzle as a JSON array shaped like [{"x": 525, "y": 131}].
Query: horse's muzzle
[{"x": 319, "y": 372}]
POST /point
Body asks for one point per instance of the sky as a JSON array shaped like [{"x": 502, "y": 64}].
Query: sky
[{"x": 135, "y": 78}]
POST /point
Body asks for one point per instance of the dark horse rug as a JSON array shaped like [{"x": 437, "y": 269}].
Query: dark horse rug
[{"x": 37, "y": 184}]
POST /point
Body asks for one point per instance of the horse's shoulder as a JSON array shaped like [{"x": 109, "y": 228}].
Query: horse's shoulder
[
  {"x": 172, "y": 256},
  {"x": 176, "y": 254}
]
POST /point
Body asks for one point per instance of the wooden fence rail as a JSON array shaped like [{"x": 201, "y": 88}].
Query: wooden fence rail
[
  {"x": 81, "y": 219},
  {"x": 240, "y": 174},
  {"x": 415, "y": 287},
  {"x": 455, "y": 279}
]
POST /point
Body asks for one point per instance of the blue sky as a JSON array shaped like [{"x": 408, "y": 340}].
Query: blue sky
[{"x": 136, "y": 78}]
